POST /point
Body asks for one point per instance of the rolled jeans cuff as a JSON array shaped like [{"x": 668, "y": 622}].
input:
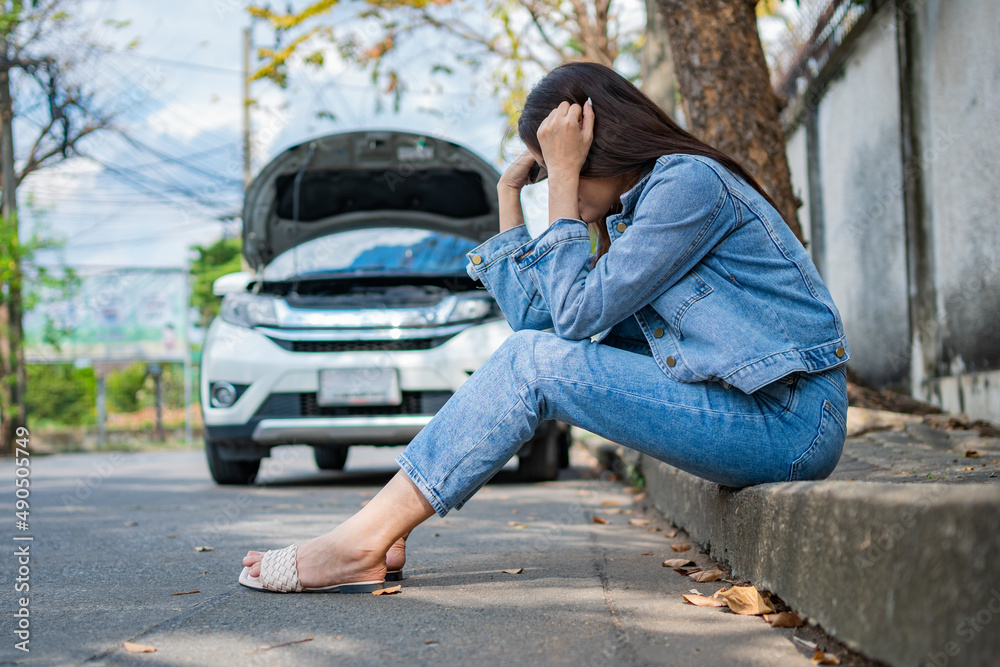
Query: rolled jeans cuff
[{"x": 419, "y": 481}]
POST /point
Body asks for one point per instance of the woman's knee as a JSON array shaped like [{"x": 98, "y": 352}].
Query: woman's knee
[{"x": 529, "y": 353}]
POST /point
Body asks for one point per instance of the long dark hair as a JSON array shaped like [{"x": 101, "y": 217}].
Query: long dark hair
[{"x": 630, "y": 131}]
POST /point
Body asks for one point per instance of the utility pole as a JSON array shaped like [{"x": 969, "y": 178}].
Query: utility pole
[
  {"x": 246, "y": 106},
  {"x": 247, "y": 165},
  {"x": 14, "y": 379}
]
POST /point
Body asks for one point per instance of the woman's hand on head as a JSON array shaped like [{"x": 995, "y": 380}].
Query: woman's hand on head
[
  {"x": 565, "y": 138},
  {"x": 516, "y": 174}
]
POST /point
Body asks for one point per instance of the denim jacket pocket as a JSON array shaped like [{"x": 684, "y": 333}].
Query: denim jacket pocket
[{"x": 683, "y": 295}]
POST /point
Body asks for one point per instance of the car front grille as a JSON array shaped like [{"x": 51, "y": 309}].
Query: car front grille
[
  {"x": 401, "y": 344},
  {"x": 290, "y": 405}
]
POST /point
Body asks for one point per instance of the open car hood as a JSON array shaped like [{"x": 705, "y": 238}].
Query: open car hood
[{"x": 354, "y": 180}]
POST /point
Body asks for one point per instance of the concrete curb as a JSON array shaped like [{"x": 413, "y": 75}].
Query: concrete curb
[{"x": 905, "y": 573}]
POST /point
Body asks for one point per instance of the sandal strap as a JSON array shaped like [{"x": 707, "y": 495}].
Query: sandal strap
[{"x": 278, "y": 571}]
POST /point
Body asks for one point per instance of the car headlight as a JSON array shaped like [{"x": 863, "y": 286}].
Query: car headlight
[
  {"x": 471, "y": 308},
  {"x": 248, "y": 310}
]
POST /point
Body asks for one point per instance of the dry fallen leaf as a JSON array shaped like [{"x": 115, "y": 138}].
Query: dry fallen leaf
[
  {"x": 388, "y": 591},
  {"x": 613, "y": 510},
  {"x": 785, "y": 619},
  {"x": 610, "y": 503},
  {"x": 677, "y": 562},
  {"x": 746, "y": 600},
  {"x": 646, "y": 553},
  {"x": 598, "y": 519},
  {"x": 186, "y": 593},
  {"x": 517, "y": 571},
  {"x": 670, "y": 533},
  {"x": 139, "y": 648},
  {"x": 969, "y": 468},
  {"x": 639, "y": 497},
  {"x": 687, "y": 571},
  {"x": 820, "y": 658},
  {"x": 680, "y": 547},
  {"x": 702, "y": 601},
  {"x": 639, "y": 522},
  {"x": 707, "y": 575},
  {"x": 204, "y": 549},
  {"x": 971, "y": 454},
  {"x": 430, "y": 642}
]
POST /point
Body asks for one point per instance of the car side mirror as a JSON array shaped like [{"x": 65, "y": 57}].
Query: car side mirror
[{"x": 231, "y": 283}]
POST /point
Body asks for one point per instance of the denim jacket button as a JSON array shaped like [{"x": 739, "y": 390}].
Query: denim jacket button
[
  {"x": 671, "y": 361},
  {"x": 658, "y": 332},
  {"x": 476, "y": 259},
  {"x": 621, "y": 226},
  {"x": 840, "y": 353}
]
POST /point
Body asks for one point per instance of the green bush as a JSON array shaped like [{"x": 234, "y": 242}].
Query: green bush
[
  {"x": 61, "y": 394},
  {"x": 124, "y": 388}
]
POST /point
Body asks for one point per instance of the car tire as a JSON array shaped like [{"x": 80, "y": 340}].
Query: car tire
[
  {"x": 565, "y": 443},
  {"x": 226, "y": 471},
  {"x": 541, "y": 464},
  {"x": 331, "y": 458}
]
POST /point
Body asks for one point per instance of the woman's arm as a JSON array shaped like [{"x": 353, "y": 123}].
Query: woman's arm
[
  {"x": 674, "y": 224},
  {"x": 509, "y": 188},
  {"x": 491, "y": 264}
]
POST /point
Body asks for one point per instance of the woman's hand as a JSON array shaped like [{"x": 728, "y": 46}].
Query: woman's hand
[
  {"x": 516, "y": 175},
  {"x": 509, "y": 187},
  {"x": 565, "y": 138}
]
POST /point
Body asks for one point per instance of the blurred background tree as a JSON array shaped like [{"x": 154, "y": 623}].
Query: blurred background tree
[
  {"x": 45, "y": 92},
  {"x": 211, "y": 263}
]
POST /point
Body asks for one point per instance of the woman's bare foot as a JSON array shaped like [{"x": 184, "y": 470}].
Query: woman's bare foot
[
  {"x": 395, "y": 558},
  {"x": 325, "y": 561},
  {"x": 359, "y": 548}
]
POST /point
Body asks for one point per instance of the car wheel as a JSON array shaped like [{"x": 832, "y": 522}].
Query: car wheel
[
  {"x": 541, "y": 464},
  {"x": 330, "y": 458},
  {"x": 225, "y": 471}
]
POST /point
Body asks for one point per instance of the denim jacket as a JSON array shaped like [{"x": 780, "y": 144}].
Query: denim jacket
[{"x": 721, "y": 288}]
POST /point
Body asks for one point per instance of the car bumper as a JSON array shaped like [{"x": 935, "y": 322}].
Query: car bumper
[{"x": 279, "y": 406}]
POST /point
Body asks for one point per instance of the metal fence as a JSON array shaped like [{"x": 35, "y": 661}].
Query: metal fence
[{"x": 813, "y": 33}]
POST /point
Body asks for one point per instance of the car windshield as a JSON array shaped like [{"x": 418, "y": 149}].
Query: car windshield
[{"x": 381, "y": 250}]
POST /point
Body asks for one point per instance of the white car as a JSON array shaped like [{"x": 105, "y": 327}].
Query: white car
[{"x": 359, "y": 320}]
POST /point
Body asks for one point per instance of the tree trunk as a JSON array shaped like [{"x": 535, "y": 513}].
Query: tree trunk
[
  {"x": 724, "y": 80},
  {"x": 14, "y": 381},
  {"x": 658, "y": 80}
]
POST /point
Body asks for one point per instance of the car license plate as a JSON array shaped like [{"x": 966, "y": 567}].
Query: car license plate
[{"x": 359, "y": 386}]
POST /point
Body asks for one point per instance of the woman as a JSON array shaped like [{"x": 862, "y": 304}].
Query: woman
[{"x": 700, "y": 333}]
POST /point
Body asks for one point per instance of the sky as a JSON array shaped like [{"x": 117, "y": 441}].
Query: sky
[
  {"x": 169, "y": 175},
  {"x": 173, "y": 173}
]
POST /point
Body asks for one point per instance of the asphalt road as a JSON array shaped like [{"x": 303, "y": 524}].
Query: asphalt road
[{"x": 116, "y": 536}]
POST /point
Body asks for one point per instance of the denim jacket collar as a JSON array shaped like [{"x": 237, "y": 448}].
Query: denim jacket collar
[{"x": 631, "y": 196}]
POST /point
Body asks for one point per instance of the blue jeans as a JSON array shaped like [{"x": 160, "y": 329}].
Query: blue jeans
[{"x": 791, "y": 429}]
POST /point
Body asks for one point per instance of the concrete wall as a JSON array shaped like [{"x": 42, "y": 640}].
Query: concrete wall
[
  {"x": 861, "y": 176},
  {"x": 961, "y": 51},
  {"x": 864, "y": 260},
  {"x": 795, "y": 149}
]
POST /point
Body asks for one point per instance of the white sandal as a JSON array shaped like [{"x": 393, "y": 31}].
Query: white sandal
[{"x": 279, "y": 574}]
